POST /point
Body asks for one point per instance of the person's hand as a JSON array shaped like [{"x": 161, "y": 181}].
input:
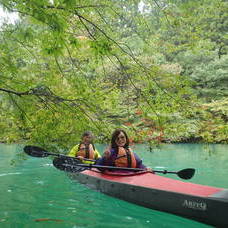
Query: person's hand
[
  {"x": 107, "y": 154},
  {"x": 149, "y": 170},
  {"x": 80, "y": 158}
]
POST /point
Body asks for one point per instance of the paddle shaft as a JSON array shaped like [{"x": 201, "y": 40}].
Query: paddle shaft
[
  {"x": 104, "y": 167},
  {"x": 164, "y": 171},
  {"x": 65, "y": 156},
  {"x": 117, "y": 168},
  {"x": 184, "y": 173}
]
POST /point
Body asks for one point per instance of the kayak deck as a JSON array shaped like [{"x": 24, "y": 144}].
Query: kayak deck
[{"x": 150, "y": 180}]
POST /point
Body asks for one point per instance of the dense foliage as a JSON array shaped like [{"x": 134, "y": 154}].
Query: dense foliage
[{"x": 156, "y": 68}]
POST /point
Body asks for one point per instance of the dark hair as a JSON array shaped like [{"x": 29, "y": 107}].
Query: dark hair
[
  {"x": 87, "y": 133},
  {"x": 115, "y": 134}
]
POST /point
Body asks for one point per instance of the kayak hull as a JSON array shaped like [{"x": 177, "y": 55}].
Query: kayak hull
[{"x": 197, "y": 202}]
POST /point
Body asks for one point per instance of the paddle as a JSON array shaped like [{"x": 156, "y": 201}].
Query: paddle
[
  {"x": 71, "y": 164},
  {"x": 36, "y": 151},
  {"x": 75, "y": 166},
  {"x": 184, "y": 173}
]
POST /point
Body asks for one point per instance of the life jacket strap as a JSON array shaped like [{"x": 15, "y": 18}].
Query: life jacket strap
[{"x": 128, "y": 157}]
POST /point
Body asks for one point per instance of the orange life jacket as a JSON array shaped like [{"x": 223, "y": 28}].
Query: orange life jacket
[
  {"x": 88, "y": 152},
  {"x": 125, "y": 158}
]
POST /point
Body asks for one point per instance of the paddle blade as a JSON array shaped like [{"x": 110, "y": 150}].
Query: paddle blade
[
  {"x": 186, "y": 173},
  {"x": 35, "y": 151},
  {"x": 68, "y": 165}
]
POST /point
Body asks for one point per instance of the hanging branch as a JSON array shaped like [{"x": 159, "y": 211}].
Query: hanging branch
[
  {"x": 45, "y": 95},
  {"x": 76, "y": 7},
  {"x": 15, "y": 92},
  {"x": 39, "y": 91}
]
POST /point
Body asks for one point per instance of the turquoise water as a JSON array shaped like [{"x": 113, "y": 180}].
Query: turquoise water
[{"x": 35, "y": 194}]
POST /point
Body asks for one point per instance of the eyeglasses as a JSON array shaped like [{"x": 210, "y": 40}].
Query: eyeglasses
[
  {"x": 82, "y": 148},
  {"x": 120, "y": 137}
]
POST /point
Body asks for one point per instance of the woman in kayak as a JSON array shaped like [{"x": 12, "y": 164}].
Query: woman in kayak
[
  {"x": 119, "y": 153},
  {"x": 85, "y": 149}
]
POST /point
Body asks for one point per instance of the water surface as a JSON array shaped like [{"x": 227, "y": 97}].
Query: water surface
[{"x": 35, "y": 194}]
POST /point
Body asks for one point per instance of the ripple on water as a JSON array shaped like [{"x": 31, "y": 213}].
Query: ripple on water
[{"x": 7, "y": 174}]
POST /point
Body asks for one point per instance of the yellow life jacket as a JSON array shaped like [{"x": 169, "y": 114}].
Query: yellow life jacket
[{"x": 125, "y": 158}]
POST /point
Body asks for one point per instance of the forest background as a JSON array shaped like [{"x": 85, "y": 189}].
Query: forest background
[{"x": 158, "y": 69}]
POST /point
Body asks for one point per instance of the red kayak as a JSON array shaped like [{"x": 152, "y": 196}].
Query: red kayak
[{"x": 198, "y": 202}]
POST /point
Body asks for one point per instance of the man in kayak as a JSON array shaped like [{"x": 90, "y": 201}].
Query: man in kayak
[
  {"x": 85, "y": 149},
  {"x": 119, "y": 153}
]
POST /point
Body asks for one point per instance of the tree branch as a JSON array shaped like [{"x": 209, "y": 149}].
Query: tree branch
[{"x": 14, "y": 92}]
